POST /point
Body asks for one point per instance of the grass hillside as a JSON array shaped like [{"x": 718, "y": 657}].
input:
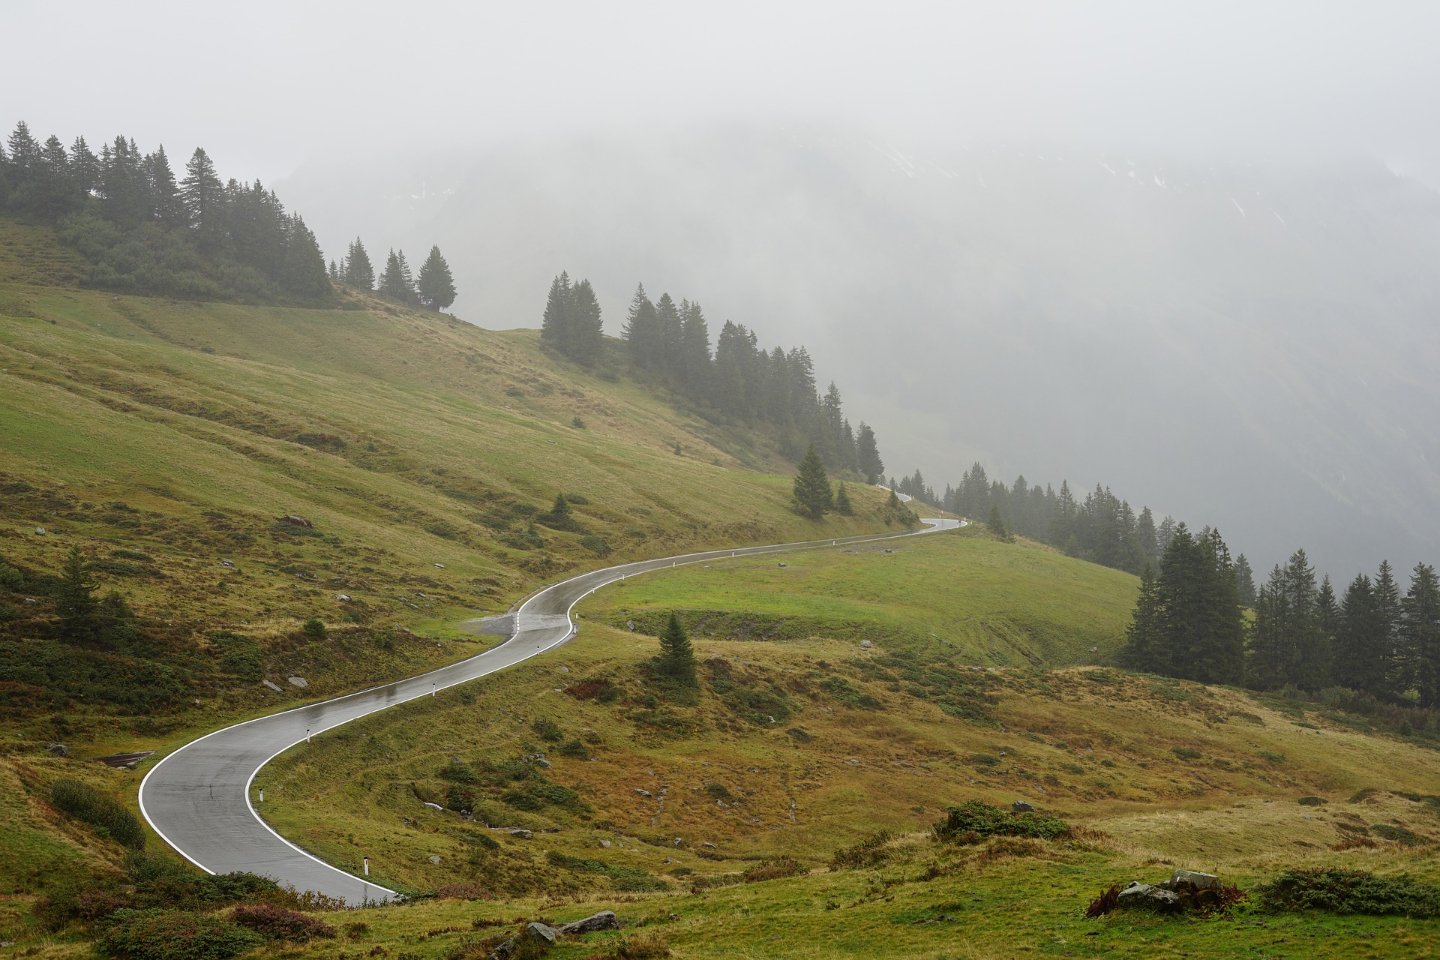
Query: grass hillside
[
  {"x": 715, "y": 821},
  {"x": 167, "y": 439}
]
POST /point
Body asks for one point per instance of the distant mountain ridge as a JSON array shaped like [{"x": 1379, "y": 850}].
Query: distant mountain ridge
[{"x": 1239, "y": 344}]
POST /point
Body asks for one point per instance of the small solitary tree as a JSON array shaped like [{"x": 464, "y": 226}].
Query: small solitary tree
[
  {"x": 677, "y": 657},
  {"x": 997, "y": 525},
  {"x": 842, "y": 502},
  {"x": 812, "y": 487},
  {"x": 75, "y": 600}
]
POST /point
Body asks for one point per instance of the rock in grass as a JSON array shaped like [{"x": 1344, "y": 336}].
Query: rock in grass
[
  {"x": 1146, "y": 896},
  {"x": 1020, "y": 806},
  {"x": 604, "y": 920},
  {"x": 1199, "y": 881}
]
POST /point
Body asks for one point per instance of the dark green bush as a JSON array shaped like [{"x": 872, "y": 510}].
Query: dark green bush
[
  {"x": 85, "y": 803},
  {"x": 973, "y": 821},
  {"x": 547, "y": 730},
  {"x": 314, "y": 629},
  {"x": 173, "y": 935},
  {"x": 1350, "y": 891},
  {"x": 869, "y": 852},
  {"x": 774, "y": 869}
]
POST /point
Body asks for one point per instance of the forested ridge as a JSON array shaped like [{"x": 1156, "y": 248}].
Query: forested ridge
[{"x": 669, "y": 343}]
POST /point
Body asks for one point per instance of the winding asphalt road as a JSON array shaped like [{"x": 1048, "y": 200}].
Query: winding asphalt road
[{"x": 198, "y": 799}]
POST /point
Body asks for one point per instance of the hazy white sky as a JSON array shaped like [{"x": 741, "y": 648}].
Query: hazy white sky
[{"x": 264, "y": 84}]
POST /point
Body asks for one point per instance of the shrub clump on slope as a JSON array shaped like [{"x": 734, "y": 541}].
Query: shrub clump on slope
[
  {"x": 974, "y": 821},
  {"x": 173, "y": 935},
  {"x": 85, "y": 803},
  {"x": 1351, "y": 891}
]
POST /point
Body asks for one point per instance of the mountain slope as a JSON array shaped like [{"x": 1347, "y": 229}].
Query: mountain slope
[{"x": 1237, "y": 344}]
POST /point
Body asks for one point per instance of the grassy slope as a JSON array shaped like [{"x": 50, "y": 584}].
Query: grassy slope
[
  {"x": 417, "y": 445},
  {"x": 1160, "y": 772}
]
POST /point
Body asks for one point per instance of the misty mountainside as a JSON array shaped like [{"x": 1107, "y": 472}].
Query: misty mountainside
[{"x": 1237, "y": 344}]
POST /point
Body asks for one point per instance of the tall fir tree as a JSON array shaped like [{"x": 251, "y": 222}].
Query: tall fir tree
[
  {"x": 677, "y": 656},
  {"x": 435, "y": 285},
  {"x": 359, "y": 272},
  {"x": 1420, "y": 635},
  {"x": 868, "y": 454}
]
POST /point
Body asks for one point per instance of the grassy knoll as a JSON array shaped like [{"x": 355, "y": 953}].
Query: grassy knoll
[{"x": 977, "y": 599}]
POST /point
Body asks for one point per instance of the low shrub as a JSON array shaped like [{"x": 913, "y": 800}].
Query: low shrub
[
  {"x": 313, "y": 629},
  {"x": 548, "y": 730},
  {"x": 1311, "y": 801},
  {"x": 173, "y": 935},
  {"x": 774, "y": 870},
  {"x": 278, "y": 923},
  {"x": 85, "y": 803},
  {"x": 973, "y": 821},
  {"x": 869, "y": 852},
  {"x": 1350, "y": 891},
  {"x": 640, "y": 946}
]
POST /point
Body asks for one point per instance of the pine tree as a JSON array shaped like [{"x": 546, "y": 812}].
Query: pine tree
[
  {"x": 812, "y": 487},
  {"x": 642, "y": 331},
  {"x": 395, "y": 281},
  {"x": 587, "y": 328},
  {"x": 556, "y": 322},
  {"x": 1387, "y": 630},
  {"x": 1244, "y": 581},
  {"x": 695, "y": 367},
  {"x": 868, "y": 455},
  {"x": 1144, "y": 641},
  {"x": 669, "y": 336},
  {"x": 165, "y": 204},
  {"x": 359, "y": 273},
  {"x": 1359, "y": 661},
  {"x": 1420, "y": 634},
  {"x": 75, "y": 597},
  {"x": 842, "y": 502},
  {"x": 436, "y": 287},
  {"x": 677, "y": 656},
  {"x": 203, "y": 197}
]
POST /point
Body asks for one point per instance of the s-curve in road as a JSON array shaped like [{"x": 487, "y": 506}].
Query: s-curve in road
[{"x": 199, "y": 797}]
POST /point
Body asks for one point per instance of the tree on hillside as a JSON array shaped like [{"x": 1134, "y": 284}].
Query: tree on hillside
[
  {"x": 1244, "y": 580},
  {"x": 75, "y": 597},
  {"x": 997, "y": 525},
  {"x": 868, "y": 455},
  {"x": 1144, "y": 647},
  {"x": 435, "y": 285},
  {"x": 812, "y": 487},
  {"x": 203, "y": 197},
  {"x": 358, "y": 272},
  {"x": 677, "y": 656},
  {"x": 586, "y": 337},
  {"x": 396, "y": 282},
  {"x": 642, "y": 331},
  {"x": 842, "y": 501},
  {"x": 1420, "y": 634},
  {"x": 556, "y": 321}
]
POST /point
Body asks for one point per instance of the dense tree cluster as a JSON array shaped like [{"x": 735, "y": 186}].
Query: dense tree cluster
[
  {"x": 142, "y": 231},
  {"x": 434, "y": 288},
  {"x": 1373, "y": 640},
  {"x": 572, "y": 323},
  {"x": 671, "y": 342}
]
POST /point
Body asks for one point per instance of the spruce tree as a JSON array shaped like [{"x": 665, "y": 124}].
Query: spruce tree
[
  {"x": 694, "y": 369},
  {"x": 587, "y": 329},
  {"x": 1244, "y": 580},
  {"x": 75, "y": 598},
  {"x": 395, "y": 281},
  {"x": 812, "y": 487},
  {"x": 642, "y": 331},
  {"x": 677, "y": 657},
  {"x": 556, "y": 321},
  {"x": 1420, "y": 635},
  {"x": 842, "y": 502},
  {"x": 1359, "y": 661},
  {"x": 203, "y": 197},
  {"x": 359, "y": 272},
  {"x": 436, "y": 286},
  {"x": 1144, "y": 641},
  {"x": 997, "y": 525},
  {"x": 868, "y": 455}
]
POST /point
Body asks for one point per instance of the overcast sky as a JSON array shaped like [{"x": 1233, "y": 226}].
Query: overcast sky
[{"x": 263, "y": 85}]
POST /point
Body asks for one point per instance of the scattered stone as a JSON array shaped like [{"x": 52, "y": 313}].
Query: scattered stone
[
  {"x": 866, "y": 644},
  {"x": 295, "y": 521},
  {"x": 439, "y": 566},
  {"x": 677, "y": 842},
  {"x": 643, "y": 792},
  {"x": 1148, "y": 897},
  {"x": 39, "y": 531},
  {"x": 520, "y": 833},
  {"x": 539, "y": 760},
  {"x": 227, "y": 563},
  {"x": 604, "y": 920},
  {"x": 708, "y": 845},
  {"x": 300, "y": 682},
  {"x": 435, "y": 806},
  {"x": 343, "y": 597},
  {"x": 564, "y": 669},
  {"x": 1020, "y": 806},
  {"x": 605, "y": 844},
  {"x": 58, "y": 750},
  {"x": 783, "y": 564},
  {"x": 435, "y": 858},
  {"x": 29, "y": 599},
  {"x": 853, "y": 762},
  {"x": 272, "y": 685},
  {"x": 630, "y": 625}
]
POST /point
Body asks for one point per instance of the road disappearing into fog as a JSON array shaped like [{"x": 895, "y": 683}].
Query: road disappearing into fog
[{"x": 198, "y": 799}]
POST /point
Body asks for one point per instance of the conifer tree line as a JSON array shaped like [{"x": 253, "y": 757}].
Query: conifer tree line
[
  {"x": 735, "y": 377},
  {"x": 144, "y": 230},
  {"x": 433, "y": 288},
  {"x": 1372, "y": 639}
]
